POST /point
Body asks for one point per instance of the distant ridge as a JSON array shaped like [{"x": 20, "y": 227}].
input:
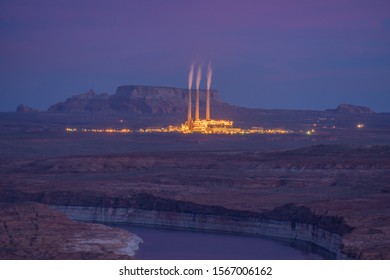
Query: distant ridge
[
  {"x": 132, "y": 98},
  {"x": 352, "y": 109},
  {"x": 156, "y": 99}
]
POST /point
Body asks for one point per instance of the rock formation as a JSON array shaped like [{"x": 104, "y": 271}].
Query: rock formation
[
  {"x": 352, "y": 109},
  {"x": 34, "y": 231},
  {"x": 156, "y": 99},
  {"x": 136, "y": 99},
  {"x": 86, "y": 102},
  {"x": 23, "y": 108}
]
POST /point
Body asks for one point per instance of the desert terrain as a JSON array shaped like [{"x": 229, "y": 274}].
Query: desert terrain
[{"x": 331, "y": 187}]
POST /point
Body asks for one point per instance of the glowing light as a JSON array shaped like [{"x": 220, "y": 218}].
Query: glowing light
[
  {"x": 360, "y": 125},
  {"x": 201, "y": 126},
  {"x": 97, "y": 130},
  {"x": 68, "y": 129}
]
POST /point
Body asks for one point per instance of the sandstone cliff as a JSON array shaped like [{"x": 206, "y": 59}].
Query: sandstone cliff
[
  {"x": 136, "y": 99},
  {"x": 144, "y": 201},
  {"x": 288, "y": 221}
]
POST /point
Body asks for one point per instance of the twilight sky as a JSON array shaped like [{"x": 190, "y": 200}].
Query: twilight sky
[{"x": 301, "y": 54}]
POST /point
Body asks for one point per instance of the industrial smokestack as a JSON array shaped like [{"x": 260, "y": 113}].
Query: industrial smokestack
[
  {"x": 198, "y": 78},
  {"x": 208, "y": 105},
  {"x": 189, "y": 117},
  {"x": 190, "y": 79},
  {"x": 209, "y": 76}
]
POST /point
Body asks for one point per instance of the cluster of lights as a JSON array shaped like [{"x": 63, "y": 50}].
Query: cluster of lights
[
  {"x": 96, "y": 130},
  {"x": 201, "y": 129},
  {"x": 310, "y": 132},
  {"x": 176, "y": 129}
]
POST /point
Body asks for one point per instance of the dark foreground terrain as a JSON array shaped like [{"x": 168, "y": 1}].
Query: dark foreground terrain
[
  {"x": 34, "y": 231},
  {"x": 335, "y": 183}
]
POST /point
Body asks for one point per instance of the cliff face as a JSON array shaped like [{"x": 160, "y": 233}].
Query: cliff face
[
  {"x": 136, "y": 99},
  {"x": 34, "y": 231},
  {"x": 144, "y": 201},
  {"x": 288, "y": 221},
  {"x": 222, "y": 222}
]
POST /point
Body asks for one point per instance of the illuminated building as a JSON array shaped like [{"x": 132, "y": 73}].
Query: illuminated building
[{"x": 206, "y": 125}]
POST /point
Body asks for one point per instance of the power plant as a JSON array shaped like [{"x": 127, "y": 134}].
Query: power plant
[
  {"x": 206, "y": 125},
  {"x": 196, "y": 125}
]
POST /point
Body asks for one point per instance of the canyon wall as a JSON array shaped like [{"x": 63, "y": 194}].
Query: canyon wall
[
  {"x": 209, "y": 222},
  {"x": 287, "y": 221}
]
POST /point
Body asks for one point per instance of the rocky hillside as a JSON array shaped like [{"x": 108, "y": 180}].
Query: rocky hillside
[{"x": 136, "y": 99}]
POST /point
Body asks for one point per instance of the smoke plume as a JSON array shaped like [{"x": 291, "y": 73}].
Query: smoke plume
[
  {"x": 209, "y": 76},
  {"x": 191, "y": 76},
  {"x": 198, "y": 77}
]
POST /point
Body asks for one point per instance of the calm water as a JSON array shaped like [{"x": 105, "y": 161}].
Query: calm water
[{"x": 173, "y": 244}]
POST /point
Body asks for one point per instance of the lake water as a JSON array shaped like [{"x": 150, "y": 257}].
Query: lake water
[{"x": 171, "y": 244}]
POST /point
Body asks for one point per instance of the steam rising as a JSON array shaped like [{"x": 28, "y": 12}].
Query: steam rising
[
  {"x": 198, "y": 77},
  {"x": 191, "y": 76},
  {"x": 209, "y": 76}
]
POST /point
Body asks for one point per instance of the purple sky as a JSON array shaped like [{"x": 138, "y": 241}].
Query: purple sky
[{"x": 301, "y": 54}]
